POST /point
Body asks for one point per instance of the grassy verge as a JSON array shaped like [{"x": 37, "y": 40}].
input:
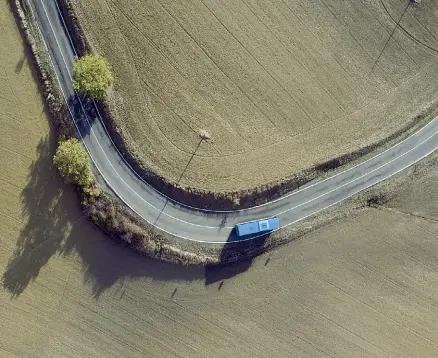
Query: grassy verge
[
  {"x": 108, "y": 214},
  {"x": 46, "y": 80},
  {"x": 116, "y": 220},
  {"x": 225, "y": 200}
]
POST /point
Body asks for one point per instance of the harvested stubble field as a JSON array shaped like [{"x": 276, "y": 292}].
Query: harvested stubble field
[
  {"x": 365, "y": 287},
  {"x": 281, "y": 85}
]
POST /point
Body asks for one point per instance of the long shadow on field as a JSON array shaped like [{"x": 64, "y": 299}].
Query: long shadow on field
[
  {"x": 246, "y": 250},
  {"x": 47, "y": 224},
  {"x": 106, "y": 262},
  {"x": 55, "y": 225}
]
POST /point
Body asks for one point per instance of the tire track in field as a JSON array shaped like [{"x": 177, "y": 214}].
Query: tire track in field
[
  {"x": 322, "y": 87},
  {"x": 21, "y": 223},
  {"x": 412, "y": 257},
  {"x": 296, "y": 333},
  {"x": 312, "y": 312},
  {"x": 384, "y": 29},
  {"x": 134, "y": 66},
  {"x": 341, "y": 326},
  {"x": 292, "y": 97},
  {"x": 378, "y": 312},
  {"x": 386, "y": 278},
  {"x": 345, "y": 71},
  {"x": 15, "y": 98},
  {"x": 105, "y": 332},
  {"x": 390, "y": 281},
  {"x": 410, "y": 69},
  {"x": 400, "y": 46},
  {"x": 164, "y": 103},
  {"x": 356, "y": 111},
  {"x": 433, "y": 234},
  {"x": 225, "y": 332},
  {"x": 408, "y": 32},
  {"x": 181, "y": 75},
  {"x": 365, "y": 52},
  {"x": 167, "y": 316},
  {"x": 148, "y": 103},
  {"x": 248, "y": 341},
  {"x": 424, "y": 27},
  {"x": 117, "y": 323},
  {"x": 221, "y": 70},
  {"x": 191, "y": 313}
]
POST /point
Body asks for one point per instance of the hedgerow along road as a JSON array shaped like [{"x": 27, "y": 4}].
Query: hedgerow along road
[{"x": 197, "y": 224}]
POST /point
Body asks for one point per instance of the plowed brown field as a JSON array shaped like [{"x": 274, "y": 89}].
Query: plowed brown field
[
  {"x": 363, "y": 287},
  {"x": 281, "y": 85}
]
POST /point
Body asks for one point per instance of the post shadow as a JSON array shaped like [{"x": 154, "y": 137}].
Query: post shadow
[
  {"x": 20, "y": 64},
  {"x": 237, "y": 256}
]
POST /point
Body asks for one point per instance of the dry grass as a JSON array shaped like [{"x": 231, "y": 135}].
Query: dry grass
[{"x": 280, "y": 85}]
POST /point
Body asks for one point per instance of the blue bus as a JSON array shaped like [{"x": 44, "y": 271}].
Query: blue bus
[{"x": 258, "y": 226}]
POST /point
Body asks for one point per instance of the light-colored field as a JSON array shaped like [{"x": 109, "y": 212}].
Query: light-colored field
[
  {"x": 281, "y": 85},
  {"x": 365, "y": 287}
]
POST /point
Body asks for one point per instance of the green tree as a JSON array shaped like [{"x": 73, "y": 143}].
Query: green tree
[
  {"x": 92, "y": 75},
  {"x": 71, "y": 159}
]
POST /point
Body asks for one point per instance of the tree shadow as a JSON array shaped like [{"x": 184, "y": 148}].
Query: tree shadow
[
  {"x": 84, "y": 112},
  {"x": 47, "y": 223},
  {"x": 56, "y": 226},
  {"x": 237, "y": 256}
]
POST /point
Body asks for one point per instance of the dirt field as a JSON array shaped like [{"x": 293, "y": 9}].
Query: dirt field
[
  {"x": 281, "y": 85},
  {"x": 363, "y": 287}
]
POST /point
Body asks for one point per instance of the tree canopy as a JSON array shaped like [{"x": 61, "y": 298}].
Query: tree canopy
[
  {"x": 92, "y": 75},
  {"x": 71, "y": 159}
]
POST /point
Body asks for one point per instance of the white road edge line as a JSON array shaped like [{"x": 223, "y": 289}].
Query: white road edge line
[
  {"x": 89, "y": 153},
  {"x": 100, "y": 146},
  {"x": 222, "y": 242},
  {"x": 279, "y": 213},
  {"x": 237, "y": 210}
]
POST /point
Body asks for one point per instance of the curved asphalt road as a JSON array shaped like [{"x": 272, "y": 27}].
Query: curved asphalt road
[{"x": 199, "y": 225}]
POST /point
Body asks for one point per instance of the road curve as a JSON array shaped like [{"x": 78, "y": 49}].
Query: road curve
[{"x": 203, "y": 225}]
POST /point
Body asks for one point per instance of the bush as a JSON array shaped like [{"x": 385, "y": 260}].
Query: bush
[
  {"x": 92, "y": 75},
  {"x": 377, "y": 199},
  {"x": 71, "y": 160}
]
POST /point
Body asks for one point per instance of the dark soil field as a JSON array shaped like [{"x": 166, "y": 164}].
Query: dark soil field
[{"x": 281, "y": 85}]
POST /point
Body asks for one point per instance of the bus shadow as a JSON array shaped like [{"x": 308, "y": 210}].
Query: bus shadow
[{"x": 236, "y": 257}]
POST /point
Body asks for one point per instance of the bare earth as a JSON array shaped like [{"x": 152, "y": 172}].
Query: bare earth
[
  {"x": 281, "y": 85},
  {"x": 365, "y": 287}
]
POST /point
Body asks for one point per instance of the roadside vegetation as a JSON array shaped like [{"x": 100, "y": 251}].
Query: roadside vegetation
[
  {"x": 365, "y": 287},
  {"x": 281, "y": 86},
  {"x": 71, "y": 160},
  {"x": 72, "y": 163},
  {"x": 92, "y": 76}
]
